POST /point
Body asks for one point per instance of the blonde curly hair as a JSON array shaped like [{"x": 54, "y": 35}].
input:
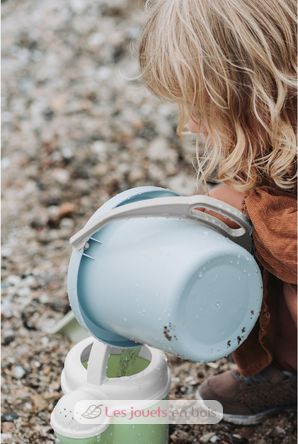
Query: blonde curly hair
[{"x": 231, "y": 65}]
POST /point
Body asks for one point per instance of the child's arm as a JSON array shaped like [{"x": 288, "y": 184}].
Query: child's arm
[
  {"x": 273, "y": 214},
  {"x": 230, "y": 196}
]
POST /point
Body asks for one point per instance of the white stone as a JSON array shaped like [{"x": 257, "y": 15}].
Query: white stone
[{"x": 18, "y": 372}]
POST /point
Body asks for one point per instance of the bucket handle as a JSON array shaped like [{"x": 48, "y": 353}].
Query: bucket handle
[
  {"x": 97, "y": 363},
  {"x": 174, "y": 206}
]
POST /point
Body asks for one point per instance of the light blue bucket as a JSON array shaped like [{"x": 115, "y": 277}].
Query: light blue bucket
[{"x": 149, "y": 268}]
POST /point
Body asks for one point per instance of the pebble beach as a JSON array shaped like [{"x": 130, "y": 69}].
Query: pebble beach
[{"x": 78, "y": 127}]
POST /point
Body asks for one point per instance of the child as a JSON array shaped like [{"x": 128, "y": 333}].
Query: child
[{"x": 230, "y": 67}]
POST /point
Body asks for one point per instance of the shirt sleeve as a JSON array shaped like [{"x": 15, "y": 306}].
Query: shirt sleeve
[{"x": 273, "y": 214}]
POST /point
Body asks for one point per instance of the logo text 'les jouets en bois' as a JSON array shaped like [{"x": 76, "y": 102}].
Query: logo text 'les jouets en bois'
[{"x": 178, "y": 411}]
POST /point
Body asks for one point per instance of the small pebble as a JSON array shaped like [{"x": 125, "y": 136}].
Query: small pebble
[
  {"x": 212, "y": 364},
  {"x": 206, "y": 438},
  {"x": 238, "y": 439},
  {"x": 179, "y": 435},
  {"x": 67, "y": 209},
  {"x": 175, "y": 379},
  {"x": 9, "y": 416},
  {"x": 7, "y": 427},
  {"x": 190, "y": 380},
  {"x": 279, "y": 430},
  {"x": 6, "y": 437},
  {"x": 14, "y": 280},
  {"x": 18, "y": 372},
  {"x": 39, "y": 403},
  {"x": 8, "y": 338}
]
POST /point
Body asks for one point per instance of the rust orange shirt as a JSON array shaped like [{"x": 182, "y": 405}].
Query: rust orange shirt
[{"x": 273, "y": 214}]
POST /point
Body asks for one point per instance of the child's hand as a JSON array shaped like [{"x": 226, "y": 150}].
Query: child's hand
[{"x": 230, "y": 196}]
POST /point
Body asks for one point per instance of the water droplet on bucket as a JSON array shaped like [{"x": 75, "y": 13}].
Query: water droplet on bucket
[{"x": 217, "y": 305}]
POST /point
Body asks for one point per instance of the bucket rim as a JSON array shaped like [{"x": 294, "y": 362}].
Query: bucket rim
[{"x": 114, "y": 339}]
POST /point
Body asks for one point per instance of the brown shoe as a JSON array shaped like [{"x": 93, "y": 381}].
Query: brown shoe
[{"x": 248, "y": 400}]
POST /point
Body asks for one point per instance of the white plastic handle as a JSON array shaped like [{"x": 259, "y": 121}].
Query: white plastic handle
[
  {"x": 97, "y": 363},
  {"x": 176, "y": 206}
]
